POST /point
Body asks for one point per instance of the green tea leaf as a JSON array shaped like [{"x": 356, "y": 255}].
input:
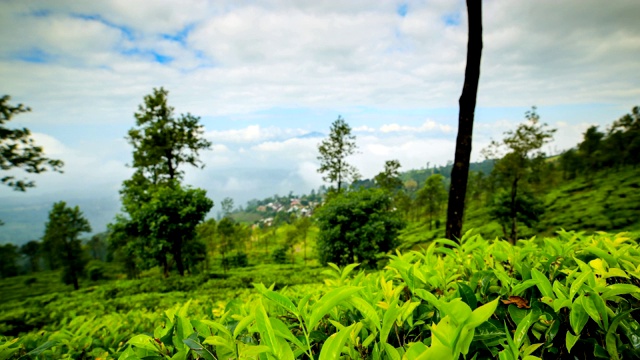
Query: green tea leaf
[
  {"x": 577, "y": 284},
  {"x": 40, "y": 349},
  {"x": 619, "y": 289},
  {"x": 347, "y": 270},
  {"x": 367, "y": 311},
  {"x": 392, "y": 352},
  {"x": 264, "y": 327},
  {"x": 578, "y": 317},
  {"x": 522, "y": 329},
  {"x": 196, "y": 347},
  {"x": 542, "y": 282},
  {"x": 281, "y": 300},
  {"x": 333, "y": 346},
  {"x": 329, "y": 301},
  {"x": 482, "y": 314},
  {"x": 571, "y": 340},
  {"x": 243, "y": 324},
  {"x": 143, "y": 341},
  {"x": 388, "y": 320},
  {"x": 467, "y": 295},
  {"x": 518, "y": 289},
  {"x": 219, "y": 341}
]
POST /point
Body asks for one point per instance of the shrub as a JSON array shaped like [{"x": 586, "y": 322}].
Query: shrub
[{"x": 356, "y": 226}]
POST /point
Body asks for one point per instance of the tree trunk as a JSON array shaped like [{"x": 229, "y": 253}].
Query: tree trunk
[
  {"x": 177, "y": 254},
  {"x": 460, "y": 170},
  {"x": 514, "y": 212}
]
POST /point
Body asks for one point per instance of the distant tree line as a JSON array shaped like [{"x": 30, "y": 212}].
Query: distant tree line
[{"x": 618, "y": 146}]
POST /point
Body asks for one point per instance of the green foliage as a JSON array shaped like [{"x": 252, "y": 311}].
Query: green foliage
[
  {"x": 18, "y": 150},
  {"x": 333, "y": 153},
  {"x": 357, "y": 226},
  {"x": 61, "y": 241},
  {"x": 389, "y": 178},
  {"x": 528, "y": 208},
  {"x": 166, "y": 224},
  {"x": 98, "y": 320},
  {"x": 515, "y": 169},
  {"x": 32, "y": 251},
  {"x": 227, "y": 206},
  {"x": 235, "y": 260},
  {"x": 618, "y": 146},
  {"x": 542, "y": 298},
  {"x": 431, "y": 197},
  {"x": 162, "y": 142},
  {"x": 8, "y": 260}
]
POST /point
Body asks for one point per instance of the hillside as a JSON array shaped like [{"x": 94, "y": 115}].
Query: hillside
[{"x": 603, "y": 201}]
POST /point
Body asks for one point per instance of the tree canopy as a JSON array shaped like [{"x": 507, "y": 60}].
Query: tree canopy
[
  {"x": 333, "y": 153},
  {"x": 523, "y": 157},
  {"x": 389, "y": 178},
  {"x": 162, "y": 142},
  {"x": 18, "y": 149},
  {"x": 61, "y": 241},
  {"x": 357, "y": 226}
]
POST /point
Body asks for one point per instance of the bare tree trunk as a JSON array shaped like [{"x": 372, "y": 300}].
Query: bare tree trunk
[
  {"x": 460, "y": 170},
  {"x": 514, "y": 212}
]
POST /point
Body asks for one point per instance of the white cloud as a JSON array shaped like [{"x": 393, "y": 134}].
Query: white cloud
[
  {"x": 428, "y": 125},
  {"x": 262, "y": 73}
]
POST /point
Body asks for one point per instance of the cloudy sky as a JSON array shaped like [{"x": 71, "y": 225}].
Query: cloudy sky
[{"x": 265, "y": 76}]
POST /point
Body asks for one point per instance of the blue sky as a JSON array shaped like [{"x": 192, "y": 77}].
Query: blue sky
[{"x": 262, "y": 73}]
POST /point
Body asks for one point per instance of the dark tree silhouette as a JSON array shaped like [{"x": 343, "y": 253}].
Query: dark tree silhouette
[{"x": 460, "y": 170}]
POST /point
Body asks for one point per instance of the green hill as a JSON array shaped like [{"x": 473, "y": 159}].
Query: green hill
[{"x": 607, "y": 200}]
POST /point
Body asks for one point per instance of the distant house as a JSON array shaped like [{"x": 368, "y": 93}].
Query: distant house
[{"x": 261, "y": 208}]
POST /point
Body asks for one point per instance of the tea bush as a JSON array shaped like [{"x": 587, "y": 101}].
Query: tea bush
[{"x": 572, "y": 296}]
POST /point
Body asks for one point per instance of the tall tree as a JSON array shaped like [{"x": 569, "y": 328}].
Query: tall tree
[
  {"x": 61, "y": 240},
  {"x": 334, "y": 151},
  {"x": 163, "y": 142},
  {"x": 460, "y": 170},
  {"x": 523, "y": 156},
  {"x": 18, "y": 150}
]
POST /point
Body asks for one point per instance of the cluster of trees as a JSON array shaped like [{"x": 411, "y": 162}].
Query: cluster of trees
[{"x": 617, "y": 146}]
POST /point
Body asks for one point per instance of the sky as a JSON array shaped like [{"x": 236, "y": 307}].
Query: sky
[{"x": 267, "y": 79}]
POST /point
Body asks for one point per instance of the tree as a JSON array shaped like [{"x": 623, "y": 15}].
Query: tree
[
  {"x": 432, "y": 196},
  {"x": 226, "y": 231},
  {"x": 32, "y": 251},
  {"x": 18, "y": 149},
  {"x": 162, "y": 142},
  {"x": 389, "y": 178},
  {"x": 523, "y": 156},
  {"x": 333, "y": 153},
  {"x": 61, "y": 240},
  {"x": 8, "y": 260},
  {"x": 528, "y": 209},
  {"x": 168, "y": 221},
  {"x": 590, "y": 148},
  {"x": 206, "y": 233},
  {"x": 97, "y": 247},
  {"x": 460, "y": 170},
  {"x": 227, "y": 206},
  {"x": 356, "y": 227}
]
